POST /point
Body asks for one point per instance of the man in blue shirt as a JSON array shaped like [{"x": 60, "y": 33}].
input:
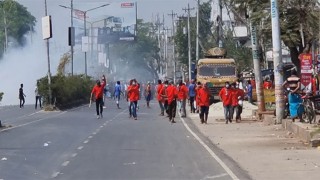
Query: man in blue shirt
[
  {"x": 192, "y": 95},
  {"x": 249, "y": 92},
  {"x": 117, "y": 93}
]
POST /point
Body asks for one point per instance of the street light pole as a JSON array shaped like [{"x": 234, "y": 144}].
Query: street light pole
[
  {"x": 85, "y": 26},
  {"x": 85, "y": 34},
  {"x": 48, "y": 58}
]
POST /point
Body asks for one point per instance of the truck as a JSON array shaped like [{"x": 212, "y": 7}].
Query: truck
[{"x": 215, "y": 69}]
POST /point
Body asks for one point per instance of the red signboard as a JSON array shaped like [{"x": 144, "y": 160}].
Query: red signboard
[
  {"x": 127, "y": 5},
  {"x": 306, "y": 69}
]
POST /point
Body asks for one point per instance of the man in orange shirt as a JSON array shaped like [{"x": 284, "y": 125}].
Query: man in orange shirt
[
  {"x": 237, "y": 101},
  {"x": 225, "y": 95},
  {"x": 159, "y": 98},
  {"x": 198, "y": 87},
  {"x": 182, "y": 98},
  {"x": 133, "y": 92},
  {"x": 97, "y": 91},
  {"x": 204, "y": 103},
  {"x": 171, "y": 95}
]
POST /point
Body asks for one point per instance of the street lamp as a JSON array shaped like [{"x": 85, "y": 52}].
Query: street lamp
[{"x": 85, "y": 26}]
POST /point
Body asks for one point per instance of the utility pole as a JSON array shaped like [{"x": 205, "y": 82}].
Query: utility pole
[
  {"x": 257, "y": 68},
  {"x": 158, "y": 24},
  {"x": 165, "y": 45},
  {"x": 48, "y": 58},
  {"x": 220, "y": 33},
  {"x": 277, "y": 61},
  {"x": 189, "y": 40},
  {"x": 197, "y": 38},
  {"x": 173, "y": 46},
  {"x": 72, "y": 36}
]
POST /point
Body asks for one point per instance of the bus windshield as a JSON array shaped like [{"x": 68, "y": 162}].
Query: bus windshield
[{"x": 217, "y": 70}]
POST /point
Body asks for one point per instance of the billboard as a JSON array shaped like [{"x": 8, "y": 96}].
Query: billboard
[
  {"x": 306, "y": 71},
  {"x": 119, "y": 23},
  {"x": 106, "y": 24}
]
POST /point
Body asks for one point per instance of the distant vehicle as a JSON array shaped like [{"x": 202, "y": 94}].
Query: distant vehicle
[
  {"x": 113, "y": 24},
  {"x": 216, "y": 69}
]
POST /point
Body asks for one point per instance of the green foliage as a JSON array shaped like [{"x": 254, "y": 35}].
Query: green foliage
[
  {"x": 66, "y": 91},
  {"x": 17, "y": 19},
  {"x": 294, "y": 16},
  {"x": 1, "y": 96},
  {"x": 241, "y": 54}
]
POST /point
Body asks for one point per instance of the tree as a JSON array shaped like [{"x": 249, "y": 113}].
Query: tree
[
  {"x": 15, "y": 22},
  {"x": 208, "y": 36},
  {"x": 299, "y": 22},
  {"x": 142, "y": 53},
  {"x": 205, "y": 35}
]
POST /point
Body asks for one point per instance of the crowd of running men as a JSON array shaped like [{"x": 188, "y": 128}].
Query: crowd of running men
[{"x": 171, "y": 96}]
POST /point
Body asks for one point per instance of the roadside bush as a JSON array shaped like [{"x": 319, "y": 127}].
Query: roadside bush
[
  {"x": 67, "y": 91},
  {"x": 1, "y": 95}
]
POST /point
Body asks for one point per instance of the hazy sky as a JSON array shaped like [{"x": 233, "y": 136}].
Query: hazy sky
[{"x": 30, "y": 63}]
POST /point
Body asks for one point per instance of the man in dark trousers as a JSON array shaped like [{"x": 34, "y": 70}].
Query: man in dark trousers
[
  {"x": 38, "y": 97},
  {"x": 21, "y": 96},
  {"x": 171, "y": 94},
  {"x": 97, "y": 91}
]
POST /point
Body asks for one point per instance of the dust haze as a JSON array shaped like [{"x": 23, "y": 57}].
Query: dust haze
[{"x": 29, "y": 63}]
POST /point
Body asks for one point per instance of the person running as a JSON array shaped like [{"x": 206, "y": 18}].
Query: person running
[
  {"x": 38, "y": 97},
  {"x": 171, "y": 94},
  {"x": 117, "y": 93},
  {"x": 204, "y": 103},
  {"x": 97, "y": 91},
  {"x": 159, "y": 98},
  {"x": 226, "y": 98},
  {"x": 147, "y": 93},
  {"x": 192, "y": 95},
  {"x": 133, "y": 92},
  {"x": 21, "y": 96},
  {"x": 182, "y": 98}
]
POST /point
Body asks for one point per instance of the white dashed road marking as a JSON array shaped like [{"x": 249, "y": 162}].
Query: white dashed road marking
[{"x": 65, "y": 163}]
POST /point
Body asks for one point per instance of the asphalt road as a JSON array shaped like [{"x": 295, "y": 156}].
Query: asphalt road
[{"x": 74, "y": 144}]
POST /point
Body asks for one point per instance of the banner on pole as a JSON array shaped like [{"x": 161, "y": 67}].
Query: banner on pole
[{"x": 306, "y": 71}]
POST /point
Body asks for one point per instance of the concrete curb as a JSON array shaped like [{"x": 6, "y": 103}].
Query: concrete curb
[{"x": 305, "y": 132}]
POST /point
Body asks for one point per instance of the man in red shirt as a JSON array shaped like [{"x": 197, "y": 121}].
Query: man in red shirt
[
  {"x": 133, "y": 93},
  {"x": 204, "y": 103},
  {"x": 182, "y": 98},
  {"x": 171, "y": 95},
  {"x": 237, "y": 102},
  {"x": 198, "y": 87},
  {"x": 225, "y": 95},
  {"x": 159, "y": 98},
  {"x": 97, "y": 91}
]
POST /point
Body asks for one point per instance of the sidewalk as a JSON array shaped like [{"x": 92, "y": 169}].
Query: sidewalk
[{"x": 265, "y": 151}]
